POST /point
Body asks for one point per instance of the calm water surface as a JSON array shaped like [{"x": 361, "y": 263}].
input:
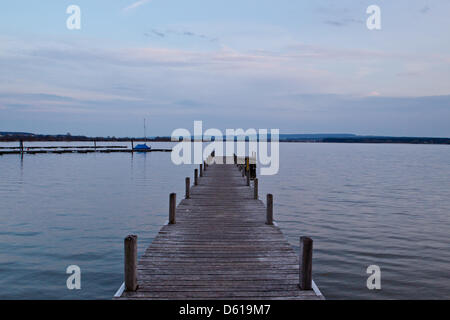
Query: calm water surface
[{"x": 387, "y": 205}]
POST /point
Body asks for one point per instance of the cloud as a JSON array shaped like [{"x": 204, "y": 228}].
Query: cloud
[
  {"x": 58, "y": 78},
  {"x": 155, "y": 32},
  {"x": 425, "y": 9},
  {"x": 337, "y": 15},
  {"x": 408, "y": 74},
  {"x": 335, "y": 23},
  {"x": 136, "y": 4},
  {"x": 343, "y": 22},
  {"x": 184, "y": 33}
]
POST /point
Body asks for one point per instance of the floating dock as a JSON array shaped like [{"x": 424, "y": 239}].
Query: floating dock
[
  {"x": 220, "y": 243},
  {"x": 73, "y": 149},
  {"x": 81, "y": 151}
]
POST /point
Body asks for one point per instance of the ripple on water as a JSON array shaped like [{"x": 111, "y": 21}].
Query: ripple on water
[{"x": 362, "y": 204}]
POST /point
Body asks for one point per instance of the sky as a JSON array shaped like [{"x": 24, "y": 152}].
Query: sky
[{"x": 298, "y": 66}]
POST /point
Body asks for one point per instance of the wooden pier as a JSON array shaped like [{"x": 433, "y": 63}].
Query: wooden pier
[{"x": 220, "y": 243}]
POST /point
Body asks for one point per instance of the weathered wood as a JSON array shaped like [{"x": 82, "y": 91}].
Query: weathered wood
[
  {"x": 196, "y": 177},
  {"x": 220, "y": 248},
  {"x": 188, "y": 187},
  {"x": 305, "y": 272},
  {"x": 248, "y": 177},
  {"x": 130, "y": 272},
  {"x": 201, "y": 170},
  {"x": 269, "y": 211},
  {"x": 255, "y": 189},
  {"x": 172, "y": 207}
]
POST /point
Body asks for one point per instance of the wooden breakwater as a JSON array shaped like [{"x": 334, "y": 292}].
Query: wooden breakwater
[
  {"x": 220, "y": 242},
  {"x": 22, "y": 149}
]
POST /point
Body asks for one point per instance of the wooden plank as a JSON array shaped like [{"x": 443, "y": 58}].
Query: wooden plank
[{"x": 220, "y": 247}]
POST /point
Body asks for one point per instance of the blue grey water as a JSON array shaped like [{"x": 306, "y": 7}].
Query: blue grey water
[{"x": 363, "y": 204}]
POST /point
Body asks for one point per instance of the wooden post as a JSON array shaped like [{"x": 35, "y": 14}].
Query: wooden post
[
  {"x": 201, "y": 170},
  {"x": 269, "y": 218},
  {"x": 305, "y": 272},
  {"x": 21, "y": 146},
  {"x": 132, "y": 145},
  {"x": 243, "y": 170},
  {"x": 172, "y": 207},
  {"x": 130, "y": 244},
  {"x": 248, "y": 177},
  {"x": 255, "y": 189},
  {"x": 188, "y": 186},
  {"x": 196, "y": 177}
]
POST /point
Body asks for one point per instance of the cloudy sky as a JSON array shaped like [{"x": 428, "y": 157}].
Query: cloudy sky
[{"x": 300, "y": 66}]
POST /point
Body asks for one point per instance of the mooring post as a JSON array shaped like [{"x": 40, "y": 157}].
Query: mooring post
[
  {"x": 269, "y": 218},
  {"x": 196, "y": 177},
  {"x": 201, "y": 170},
  {"x": 255, "y": 189},
  {"x": 21, "y": 146},
  {"x": 132, "y": 145},
  {"x": 188, "y": 186},
  {"x": 172, "y": 207},
  {"x": 243, "y": 171},
  {"x": 305, "y": 272},
  {"x": 130, "y": 244},
  {"x": 248, "y": 177}
]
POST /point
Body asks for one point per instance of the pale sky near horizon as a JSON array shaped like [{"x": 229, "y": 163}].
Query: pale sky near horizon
[{"x": 300, "y": 66}]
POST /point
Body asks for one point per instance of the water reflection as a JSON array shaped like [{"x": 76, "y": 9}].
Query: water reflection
[{"x": 360, "y": 203}]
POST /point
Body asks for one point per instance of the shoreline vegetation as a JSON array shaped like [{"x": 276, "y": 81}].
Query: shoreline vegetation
[{"x": 317, "y": 138}]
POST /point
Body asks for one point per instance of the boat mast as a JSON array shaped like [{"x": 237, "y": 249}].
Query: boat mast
[{"x": 145, "y": 132}]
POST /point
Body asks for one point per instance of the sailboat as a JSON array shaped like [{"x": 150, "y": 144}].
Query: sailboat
[{"x": 143, "y": 147}]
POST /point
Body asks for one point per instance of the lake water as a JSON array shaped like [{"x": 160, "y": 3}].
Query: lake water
[{"x": 363, "y": 204}]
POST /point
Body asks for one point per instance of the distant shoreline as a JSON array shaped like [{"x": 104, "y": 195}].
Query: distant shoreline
[{"x": 320, "y": 138}]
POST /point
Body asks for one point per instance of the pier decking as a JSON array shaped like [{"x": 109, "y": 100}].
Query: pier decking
[{"x": 220, "y": 247}]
